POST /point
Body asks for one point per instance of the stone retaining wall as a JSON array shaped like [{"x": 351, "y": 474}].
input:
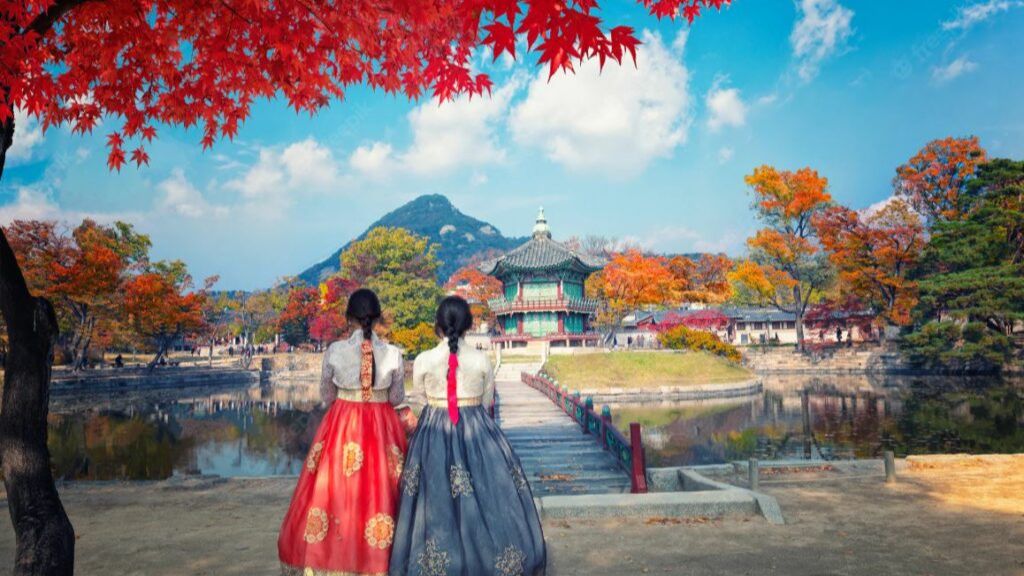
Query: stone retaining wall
[
  {"x": 841, "y": 361},
  {"x": 162, "y": 377},
  {"x": 674, "y": 393}
]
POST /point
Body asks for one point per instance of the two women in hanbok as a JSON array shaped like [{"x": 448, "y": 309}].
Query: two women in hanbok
[{"x": 455, "y": 503}]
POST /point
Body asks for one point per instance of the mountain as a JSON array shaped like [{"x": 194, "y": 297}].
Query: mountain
[{"x": 459, "y": 237}]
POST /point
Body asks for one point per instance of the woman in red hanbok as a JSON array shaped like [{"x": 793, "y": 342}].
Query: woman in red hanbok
[{"x": 342, "y": 517}]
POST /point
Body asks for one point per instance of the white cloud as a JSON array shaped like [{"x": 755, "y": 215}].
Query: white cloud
[
  {"x": 458, "y": 133},
  {"x": 182, "y": 198},
  {"x": 618, "y": 119},
  {"x": 27, "y": 135},
  {"x": 478, "y": 179},
  {"x": 725, "y": 154},
  {"x": 36, "y": 203},
  {"x": 374, "y": 160},
  {"x": 725, "y": 107},
  {"x": 301, "y": 167},
  {"x": 953, "y": 70},
  {"x": 823, "y": 28},
  {"x": 669, "y": 239},
  {"x": 967, "y": 16},
  {"x": 30, "y": 204}
]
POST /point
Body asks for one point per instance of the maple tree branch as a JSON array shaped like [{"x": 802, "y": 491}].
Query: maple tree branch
[{"x": 44, "y": 22}]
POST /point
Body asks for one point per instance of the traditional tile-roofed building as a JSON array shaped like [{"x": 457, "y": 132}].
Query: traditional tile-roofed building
[{"x": 543, "y": 297}]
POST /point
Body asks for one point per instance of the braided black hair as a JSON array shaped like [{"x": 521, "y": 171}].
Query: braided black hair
[
  {"x": 364, "y": 309},
  {"x": 453, "y": 320}
]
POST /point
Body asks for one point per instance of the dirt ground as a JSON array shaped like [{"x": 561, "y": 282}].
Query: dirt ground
[{"x": 961, "y": 515}]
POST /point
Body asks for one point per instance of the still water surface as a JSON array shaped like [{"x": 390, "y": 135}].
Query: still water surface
[{"x": 266, "y": 430}]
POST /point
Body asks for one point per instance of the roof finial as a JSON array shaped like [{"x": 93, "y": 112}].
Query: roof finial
[{"x": 541, "y": 229}]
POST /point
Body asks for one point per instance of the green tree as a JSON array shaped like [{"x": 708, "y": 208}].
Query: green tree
[
  {"x": 401, "y": 267},
  {"x": 972, "y": 347},
  {"x": 389, "y": 250},
  {"x": 973, "y": 268}
]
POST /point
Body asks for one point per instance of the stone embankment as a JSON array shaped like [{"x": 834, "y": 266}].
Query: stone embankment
[
  {"x": 842, "y": 361},
  {"x": 117, "y": 379}
]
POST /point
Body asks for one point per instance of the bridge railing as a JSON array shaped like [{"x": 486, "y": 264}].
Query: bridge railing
[{"x": 628, "y": 451}]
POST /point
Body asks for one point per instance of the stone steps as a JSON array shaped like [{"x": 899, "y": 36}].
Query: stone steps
[{"x": 558, "y": 458}]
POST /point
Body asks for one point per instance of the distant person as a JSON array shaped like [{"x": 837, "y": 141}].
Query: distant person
[
  {"x": 231, "y": 350},
  {"x": 839, "y": 334},
  {"x": 342, "y": 515},
  {"x": 118, "y": 361},
  {"x": 465, "y": 497}
]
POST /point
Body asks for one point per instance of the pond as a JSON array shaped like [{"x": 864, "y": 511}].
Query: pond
[
  {"x": 840, "y": 417},
  {"x": 266, "y": 430}
]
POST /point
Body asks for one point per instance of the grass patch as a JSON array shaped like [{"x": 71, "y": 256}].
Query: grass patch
[{"x": 642, "y": 370}]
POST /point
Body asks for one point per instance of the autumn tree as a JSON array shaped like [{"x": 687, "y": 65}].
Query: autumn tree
[
  {"x": 477, "y": 288},
  {"x": 300, "y": 309},
  {"x": 874, "y": 255},
  {"x": 391, "y": 251},
  {"x": 934, "y": 181},
  {"x": 785, "y": 269},
  {"x": 163, "y": 307},
  {"x": 630, "y": 281},
  {"x": 178, "y": 62},
  {"x": 705, "y": 279},
  {"x": 401, "y": 267},
  {"x": 81, "y": 272}
]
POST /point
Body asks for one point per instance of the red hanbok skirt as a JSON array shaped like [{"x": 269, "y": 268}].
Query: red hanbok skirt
[{"x": 342, "y": 515}]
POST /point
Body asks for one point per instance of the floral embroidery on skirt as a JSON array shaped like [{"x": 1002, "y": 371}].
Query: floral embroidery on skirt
[
  {"x": 353, "y": 458},
  {"x": 380, "y": 531},
  {"x": 341, "y": 521},
  {"x": 466, "y": 508}
]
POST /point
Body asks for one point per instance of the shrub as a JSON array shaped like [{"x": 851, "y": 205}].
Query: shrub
[
  {"x": 415, "y": 340},
  {"x": 683, "y": 338},
  {"x": 949, "y": 346}
]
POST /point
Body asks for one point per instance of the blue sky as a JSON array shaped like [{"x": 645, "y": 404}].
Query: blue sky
[{"x": 655, "y": 154}]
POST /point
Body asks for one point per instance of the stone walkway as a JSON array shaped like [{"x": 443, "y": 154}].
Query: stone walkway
[{"x": 557, "y": 456}]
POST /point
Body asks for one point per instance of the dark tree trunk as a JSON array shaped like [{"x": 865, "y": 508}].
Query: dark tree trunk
[
  {"x": 799, "y": 320},
  {"x": 45, "y": 539}
]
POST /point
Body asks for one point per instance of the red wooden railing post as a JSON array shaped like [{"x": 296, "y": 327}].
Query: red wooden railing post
[{"x": 639, "y": 475}]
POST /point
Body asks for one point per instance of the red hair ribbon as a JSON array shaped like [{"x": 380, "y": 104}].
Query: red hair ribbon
[{"x": 453, "y": 397}]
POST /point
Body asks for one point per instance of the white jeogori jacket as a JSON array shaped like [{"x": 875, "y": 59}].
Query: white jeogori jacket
[{"x": 475, "y": 378}]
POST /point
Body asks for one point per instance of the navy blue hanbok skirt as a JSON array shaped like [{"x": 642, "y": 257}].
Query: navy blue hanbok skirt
[{"x": 466, "y": 508}]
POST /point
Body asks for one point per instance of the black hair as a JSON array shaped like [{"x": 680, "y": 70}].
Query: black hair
[
  {"x": 363, "y": 309},
  {"x": 453, "y": 320}
]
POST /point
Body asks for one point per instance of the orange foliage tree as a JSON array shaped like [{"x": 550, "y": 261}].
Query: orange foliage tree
[
  {"x": 143, "y": 63},
  {"x": 630, "y": 281},
  {"x": 633, "y": 280},
  {"x": 785, "y": 269},
  {"x": 874, "y": 254},
  {"x": 477, "y": 288},
  {"x": 935, "y": 180},
  {"x": 82, "y": 273},
  {"x": 162, "y": 306}
]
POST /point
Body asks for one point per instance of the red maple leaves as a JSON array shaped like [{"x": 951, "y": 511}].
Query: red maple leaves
[{"x": 189, "y": 63}]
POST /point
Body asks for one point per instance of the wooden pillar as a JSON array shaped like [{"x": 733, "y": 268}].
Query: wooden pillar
[
  {"x": 606, "y": 421},
  {"x": 561, "y": 322},
  {"x": 639, "y": 475}
]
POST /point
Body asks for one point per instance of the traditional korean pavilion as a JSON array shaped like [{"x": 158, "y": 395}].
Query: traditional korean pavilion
[{"x": 543, "y": 297}]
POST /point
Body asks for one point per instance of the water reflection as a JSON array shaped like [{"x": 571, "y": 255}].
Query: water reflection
[
  {"x": 836, "y": 417},
  {"x": 266, "y": 430},
  {"x": 241, "y": 431}
]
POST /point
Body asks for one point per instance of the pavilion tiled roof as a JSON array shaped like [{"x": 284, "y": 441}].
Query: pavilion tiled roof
[{"x": 541, "y": 253}]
